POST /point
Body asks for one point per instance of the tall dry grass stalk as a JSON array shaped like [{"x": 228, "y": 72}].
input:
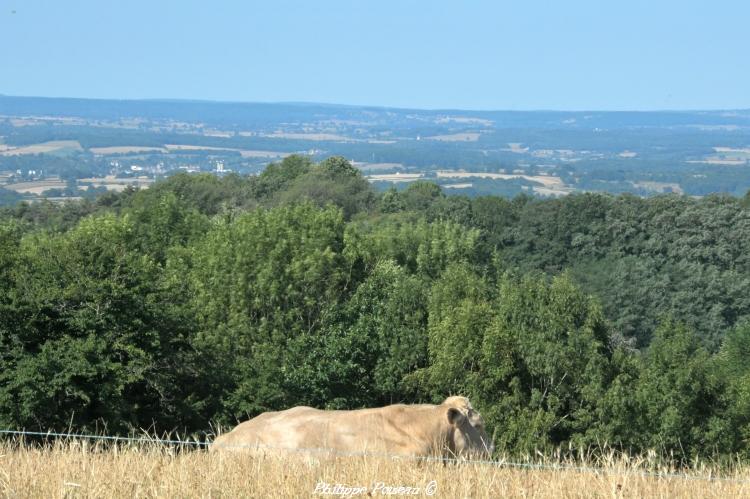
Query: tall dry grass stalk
[{"x": 86, "y": 469}]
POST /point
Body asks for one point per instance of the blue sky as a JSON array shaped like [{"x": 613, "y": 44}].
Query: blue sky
[{"x": 528, "y": 54}]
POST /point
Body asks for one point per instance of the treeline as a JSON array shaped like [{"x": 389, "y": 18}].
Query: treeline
[{"x": 586, "y": 320}]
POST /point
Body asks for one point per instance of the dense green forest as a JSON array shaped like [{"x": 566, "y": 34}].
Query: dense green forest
[{"x": 587, "y": 320}]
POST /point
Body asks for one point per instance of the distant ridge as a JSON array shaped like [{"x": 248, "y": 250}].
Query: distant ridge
[{"x": 167, "y": 100}]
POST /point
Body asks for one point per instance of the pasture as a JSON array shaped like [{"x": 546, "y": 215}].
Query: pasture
[{"x": 85, "y": 469}]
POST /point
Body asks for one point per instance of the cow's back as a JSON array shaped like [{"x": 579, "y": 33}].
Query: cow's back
[
  {"x": 270, "y": 430},
  {"x": 396, "y": 429}
]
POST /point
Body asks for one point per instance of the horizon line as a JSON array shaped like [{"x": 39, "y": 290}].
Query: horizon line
[{"x": 375, "y": 106}]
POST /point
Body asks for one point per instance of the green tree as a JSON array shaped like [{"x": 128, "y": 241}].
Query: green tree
[
  {"x": 333, "y": 181},
  {"x": 362, "y": 354},
  {"x": 93, "y": 340},
  {"x": 259, "y": 282},
  {"x": 417, "y": 246},
  {"x": 531, "y": 353},
  {"x": 733, "y": 373},
  {"x": 279, "y": 176},
  {"x": 676, "y": 397}
]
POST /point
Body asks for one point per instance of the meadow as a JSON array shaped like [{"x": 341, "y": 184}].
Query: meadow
[{"x": 77, "y": 468}]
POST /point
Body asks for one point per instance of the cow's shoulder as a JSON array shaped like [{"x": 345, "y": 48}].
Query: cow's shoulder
[{"x": 300, "y": 408}]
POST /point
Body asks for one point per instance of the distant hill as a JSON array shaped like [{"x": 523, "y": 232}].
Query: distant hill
[{"x": 262, "y": 114}]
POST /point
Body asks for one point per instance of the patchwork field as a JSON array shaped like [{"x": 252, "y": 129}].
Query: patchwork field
[{"x": 80, "y": 469}]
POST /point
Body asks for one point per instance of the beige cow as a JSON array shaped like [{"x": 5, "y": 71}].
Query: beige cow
[{"x": 450, "y": 429}]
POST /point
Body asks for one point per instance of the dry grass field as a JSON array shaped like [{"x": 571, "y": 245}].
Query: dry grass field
[
  {"x": 516, "y": 148},
  {"x": 37, "y": 187},
  {"x": 124, "y": 149},
  {"x": 185, "y": 147},
  {"x": 245, "y": 153},
  {"x": 726, "y": 156},
  {"x": 733, "y": 150},
  {"x": 554, "y": 185},
  {"x": 659, "y": 186},
  {"x": 368, "y": 167},
  {"x": 112, "y": 183},
  {"x": 44, "y": 148},
  {"x": 456, "y": 137},
  {"x": 83, "y": 469},
  {"x": 309, "y": 136},
  {"x": 465, "y": 120},
  {"x": 395, "y": 177}
]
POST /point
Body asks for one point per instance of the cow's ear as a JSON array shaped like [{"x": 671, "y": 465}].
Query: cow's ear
[{"x": 454, "y": 415}]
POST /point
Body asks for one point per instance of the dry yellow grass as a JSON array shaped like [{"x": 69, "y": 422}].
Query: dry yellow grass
[{"x": 83, "y": 469}]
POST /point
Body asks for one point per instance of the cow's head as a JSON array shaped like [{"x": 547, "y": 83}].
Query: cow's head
[{"x": 467, "y": 434}]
